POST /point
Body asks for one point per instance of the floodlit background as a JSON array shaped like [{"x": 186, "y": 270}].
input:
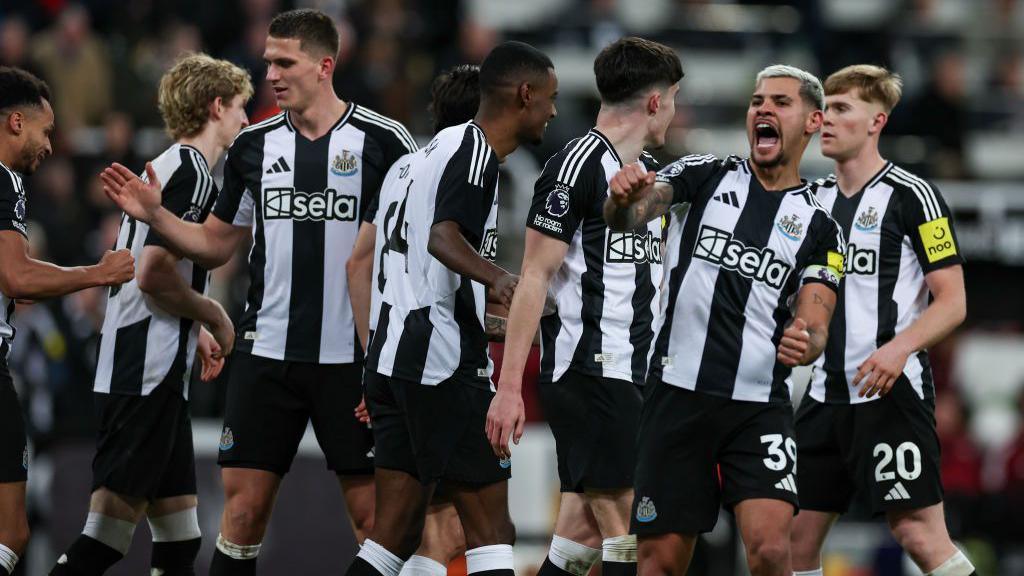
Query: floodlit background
[{"x": 960, "y": 123}]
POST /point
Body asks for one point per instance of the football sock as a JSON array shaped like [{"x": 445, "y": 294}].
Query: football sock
[
  {"x": 176, "y": 542},
  {"x": 817, "y": 572},
  {"x": 375, "y": 559},
  {"x": 8, "y": 560},
  {"x": 568, "y": 557},
  {"x": 423, "y": 566},
  {"x": 957, "y": 565},
  {"x": 230, "y": 559},
  {"x": 493, "y": 560},
  {"x": 618, "y": 556}
]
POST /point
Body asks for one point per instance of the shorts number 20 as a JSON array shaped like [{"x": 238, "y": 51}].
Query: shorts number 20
[{"x": 908, "y": 461}]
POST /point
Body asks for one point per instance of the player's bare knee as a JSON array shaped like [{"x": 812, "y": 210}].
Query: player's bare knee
[
  {"x": 767, "y": 555},
  {"x": 247, "y": 517},
  {"x": 913, "y": 536},
  {"x": 16, "y": 536}
]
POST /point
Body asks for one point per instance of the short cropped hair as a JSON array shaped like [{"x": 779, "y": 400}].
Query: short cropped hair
[
  {"x": 810, "y": 87},
  {"x": 508, "y": 62},
  {"x": 315, "y": 31},
  {"x": 632, "y": 65},
  {"x": 188, "y": 88},
  {"x": 455, "y": 96},
  {"x": 873, "y": 83},
  {"x": 21, "y": 88}
]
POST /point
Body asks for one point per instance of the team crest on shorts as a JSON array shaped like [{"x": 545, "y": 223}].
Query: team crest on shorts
[
  {"x": 505, "y": 463},
  {"x": 345, "y": 164},
  {"x": 791, "y": 227},
  {"x": 645, "y": 510},
  {"x": 868, "y": 220},
  {"x": 24, "y": 458},
  {"x": 227, "y": 439}
]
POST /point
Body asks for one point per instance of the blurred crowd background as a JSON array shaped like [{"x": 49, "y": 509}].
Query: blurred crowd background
[{"x": 959, "y": 123}]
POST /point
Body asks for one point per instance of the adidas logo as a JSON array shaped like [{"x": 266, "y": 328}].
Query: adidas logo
[
  {"x": 729, "y": 198},
  {"x": 278, "y": 167},
  {"x": 788, "y": 483},
  {"x": 897, "y": 492}
]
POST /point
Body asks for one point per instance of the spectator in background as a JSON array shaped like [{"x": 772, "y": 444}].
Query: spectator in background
[
  {"x": 14, "y": 45},
  {"x": 939, "y": 115},
  {"x": 961, "y": 464},
  {"x": 1012, "y": 468},
  {"x": 77, "y": 66}
]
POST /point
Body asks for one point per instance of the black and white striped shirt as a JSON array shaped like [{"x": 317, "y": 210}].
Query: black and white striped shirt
[
  {"x": 606, "y": 290},
  {"x": 735, "y": 262},
  {"x": 304, "y": 200},
  {"x": 899, "y": 229},
  {"x": 12, "y": 217},
  {"x": 141, "y": 345},
  {"x": 431, "y": 321}
]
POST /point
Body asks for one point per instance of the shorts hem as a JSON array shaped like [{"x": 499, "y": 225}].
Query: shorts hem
[
  {"x": 254, "y": 466},
  {"x": 354, "y": 471},
  {"x": 787, "y": 497}
]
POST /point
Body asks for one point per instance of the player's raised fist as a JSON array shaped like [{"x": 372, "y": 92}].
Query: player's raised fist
[
  {"x": 795, "y": 342},
  {"x": 138, "y": 199},
  {"x": 504, "y": 288},
  {"x": 117, "y": 267},
  {"x": 629, "y": 184}
]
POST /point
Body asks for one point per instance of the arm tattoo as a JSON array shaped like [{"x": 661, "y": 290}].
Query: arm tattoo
[
  {"x": 654, "y": 204},
  {"x": 494, "y": 327},
  {"x": 819, "y": 300}
]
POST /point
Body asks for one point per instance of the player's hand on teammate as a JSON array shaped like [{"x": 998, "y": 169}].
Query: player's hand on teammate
[
  {"x": 138, "y": 199},
  {"x": 116, "y": 267},
  {"x": 629, "y": 184},
  {"x": 881, "y": 370},
  {"x": 503, "y": 289},
  {"x": 210, "y": 355},
  {"x": 795, "y": 343},
  {"x": 362, "y": 414},
  {"x": 505, "y": 418},
  {"x": 222, "y": 329}
]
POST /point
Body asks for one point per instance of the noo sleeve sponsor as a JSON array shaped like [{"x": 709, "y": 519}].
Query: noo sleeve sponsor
[{"x": 929, "y": 225}]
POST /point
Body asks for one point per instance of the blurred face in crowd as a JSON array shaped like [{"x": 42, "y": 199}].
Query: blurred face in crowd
[
  {"x": 35, "y": 124},
  {"x": 849, "y": 124},
  {"x": 540, "y": 108},
  {"x": 295, "y": 74},
  {"x": 232, "y": 118},
  {"x": 779, "y": 122},
  {"x": 663, "y": 103}
]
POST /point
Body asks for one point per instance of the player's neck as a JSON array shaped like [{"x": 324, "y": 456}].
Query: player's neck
[
  {"x": 854, "y": 173},
  {"x": 626, "y": 132},
  {"x": 7, "y": 154},
  {"x": 500, "y": 133},
  {"x": 779, "y": 177},
  {"x": 316, "y": 119},
  {"x": 207, "y": 144}
]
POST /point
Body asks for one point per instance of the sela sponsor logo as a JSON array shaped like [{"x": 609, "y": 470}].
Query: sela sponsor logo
[
  {"x": 867, "y": 221},
  {"x": 557, "y": 203},
  {"x": 288, "y": 203},
  {"x": 937, "y": 238},
  {"x": 791, "y": 227},
  {"x": 720, "y": 248},
  {"x": 860, "y": 261},
  {"x": 345, "y": 164},
  {"x": 547, "y": 223},
  {"x": 633, "y": 248},
  {"x": 489, "y": 247},
  {"x": 645, "y": 510}
]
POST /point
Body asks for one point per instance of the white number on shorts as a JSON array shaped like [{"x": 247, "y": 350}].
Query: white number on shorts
[
  {"x": 776, "y": 460},
  {"x": 906, "y": 472}
]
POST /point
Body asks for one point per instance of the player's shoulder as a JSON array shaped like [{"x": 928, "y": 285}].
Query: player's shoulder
[
  {"x": 380, "y": 127},
  {"x": 579, "y": 156},
  {"x": 253, "y": 134},
  {"x": 649, "y": 161},
  {"x": 913, "y": 190},
  {"x": 823, "y": 185},
  {"x": 11, "y": 183},
  {"x": 704, "y": 162}
]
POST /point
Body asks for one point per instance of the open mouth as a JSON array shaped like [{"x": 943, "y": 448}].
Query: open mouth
[{"x": 766, "y": 136}]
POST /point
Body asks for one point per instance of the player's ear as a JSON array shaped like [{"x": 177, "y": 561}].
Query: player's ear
[
  {"x": 814, "y": 121},
  {"x": 524, "y": 94},
  {"x": 15, "y": 122},
  {"x": 653, "y": 102},
  {"x": 326, "y": 71},
  {"x": 878, "y": 122},
  {"x": 216, "y": 108}
]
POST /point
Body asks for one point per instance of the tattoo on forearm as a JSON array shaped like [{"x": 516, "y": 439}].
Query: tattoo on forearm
[
  {"x": 494, "y": 327},
  {"x": 819, "y": 300},
  {"x": 655, "y": 203}
]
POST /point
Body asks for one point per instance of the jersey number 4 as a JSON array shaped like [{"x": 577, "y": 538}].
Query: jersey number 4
[{"x": 396, "y": 236}]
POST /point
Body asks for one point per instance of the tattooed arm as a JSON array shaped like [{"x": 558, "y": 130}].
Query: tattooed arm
[
  {"x": 494, "y": 326},
  {"x": 634, "y": 198},
  {"x": 805, "y": 338}
]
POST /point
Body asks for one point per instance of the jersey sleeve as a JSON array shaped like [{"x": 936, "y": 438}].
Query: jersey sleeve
[
  {"x": 560, "y": 199},
  {"x": 12, "y": 202},
  {"x": 827, "y": 261},
  {"x": 687, "y": 175},
  {"x": 929, "y": 224},
  {"x": 187, "y": 195},
  {"x": 466, "y": 191},
  {"x": 235, "y": 202}
]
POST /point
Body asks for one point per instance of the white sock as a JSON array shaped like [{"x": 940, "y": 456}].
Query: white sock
[
  {"x": 619, "y": 549},
  {"x": 8, "y": 559},
  {"x": 176, "y": 526},
  {"x": 380, "y": 558},
  {"x": 237, "y": 551},
  {"x": 111, "y": 531},
  {"x": 957, "y": 565},
  {"x": 423, "y": 566},
  {"x": 573, "y": 557},
  {"x": 493, "y": 557},
  {"x": 816, "y": 572}
]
